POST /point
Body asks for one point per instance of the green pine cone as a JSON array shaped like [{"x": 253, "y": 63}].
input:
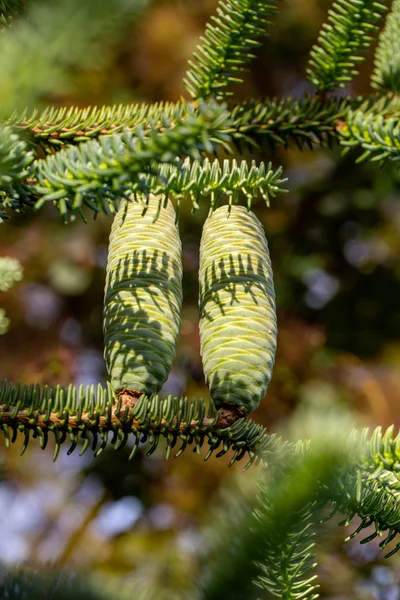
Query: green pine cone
[
  {"x": 238, "y": 328},
  {"x": 143, "y": 296}
]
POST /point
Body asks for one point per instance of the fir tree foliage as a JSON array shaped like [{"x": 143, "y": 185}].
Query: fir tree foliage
[
  {"x": 264, "y": 541},
  {"x": 10, "y": 9},
  {"x": 85, "y": 415},
  {"x": 97, "y": 173},
  {"x": 376, "y": 135},
  {"x": 228, "y": 46},
  {"x": 265, "y": 123},
  {"x": 96, "y": 157},
  {"x": 343, "y": 42},
  {"x": 386, "y": 76},
  {"x": 15, "y": 161}
]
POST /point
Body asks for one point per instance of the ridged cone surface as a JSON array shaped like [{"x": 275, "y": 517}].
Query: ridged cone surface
[
  {"x": 143, "y": 296},
  {"x": 238, "y": 327}
]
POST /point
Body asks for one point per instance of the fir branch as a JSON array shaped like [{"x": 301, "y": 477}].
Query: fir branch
[
  {"x": 15, "y": 160},
  {"x": 9, "y": 9},
  {"x": 97, "y": 171},
  {"x": 374, "y": 493},
  {"x": 90, "y": 414},
  {"x": 58, "y": 126},
  {"x": 386, "y": 74},
  {"x": 265, "y": 123},
  {"x": 273, "y": 122},
  {"x": 267, "y": 540},
  {"x": 288, "y": 508},
  {"x": 360, "y": 479},
  {"x": 194, "y": 180},
  {"x": 197, "y": 179},
  {"x": 377, "y": 135},
  {"x": 343, "y": 42},
  {"x": 286, "y": 571},
  {"x": 228, "y": 46}
]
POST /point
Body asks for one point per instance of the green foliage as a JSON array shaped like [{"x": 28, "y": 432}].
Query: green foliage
[
  {"x": 374, "y": 495},
  {"x": 265, "y": 541},
  {"x": 97, "y": 173},
  {"x": 15, "y": 161},
  {"x": 268, "y": 540},
  {"x": 143, "y": 296},
  {"x": 342, "y": 42},
  {"x": 289, "y": 560},
  {"x": 9, "y": 9},
  {"x": 88, "y": 413},
  {"x": 386, "y": 75},
  {"x": 195, "y": 180},
  {"x": 58, "y": 126},
  {"x": 228, "y": 46},
  {"x": 232, "y": 545},
  {"x": 377, "y": 135},
  {"x": 266, "y": 123}
]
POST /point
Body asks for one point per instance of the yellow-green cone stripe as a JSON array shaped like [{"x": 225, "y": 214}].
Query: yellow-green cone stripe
[
  {"x": 143, "y": 296},
  {"x": 238, "y": 328}
]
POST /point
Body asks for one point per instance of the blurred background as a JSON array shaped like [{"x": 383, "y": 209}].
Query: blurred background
[{"x": 335, "y": 247}]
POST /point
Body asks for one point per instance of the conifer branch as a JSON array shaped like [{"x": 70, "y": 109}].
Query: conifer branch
[
  {"x": 15, "y": 160},
  {"x": 343, "y": 41},
  {"x": 372, "y": 132},
  {"x": 9, "y": 9},
  {"x": 90, "y": 414},
  {"x": 289, "y": 555},
  {"x": 386, "y": 74},
  {"x": 267, "y": 540},
  {"x": 232, "y": 545},
  {"x": 304, "y": 123},
  {"x": 98, "y": 171},
  {"x": 228, "y": 46},
  {"x": 374, "y": 494},
  {"x": 364, "y": 481},
  {"x": 193, "y": 181},
  {"x": 263, "y": 123},
  {"x": 58, "y": 126}
]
